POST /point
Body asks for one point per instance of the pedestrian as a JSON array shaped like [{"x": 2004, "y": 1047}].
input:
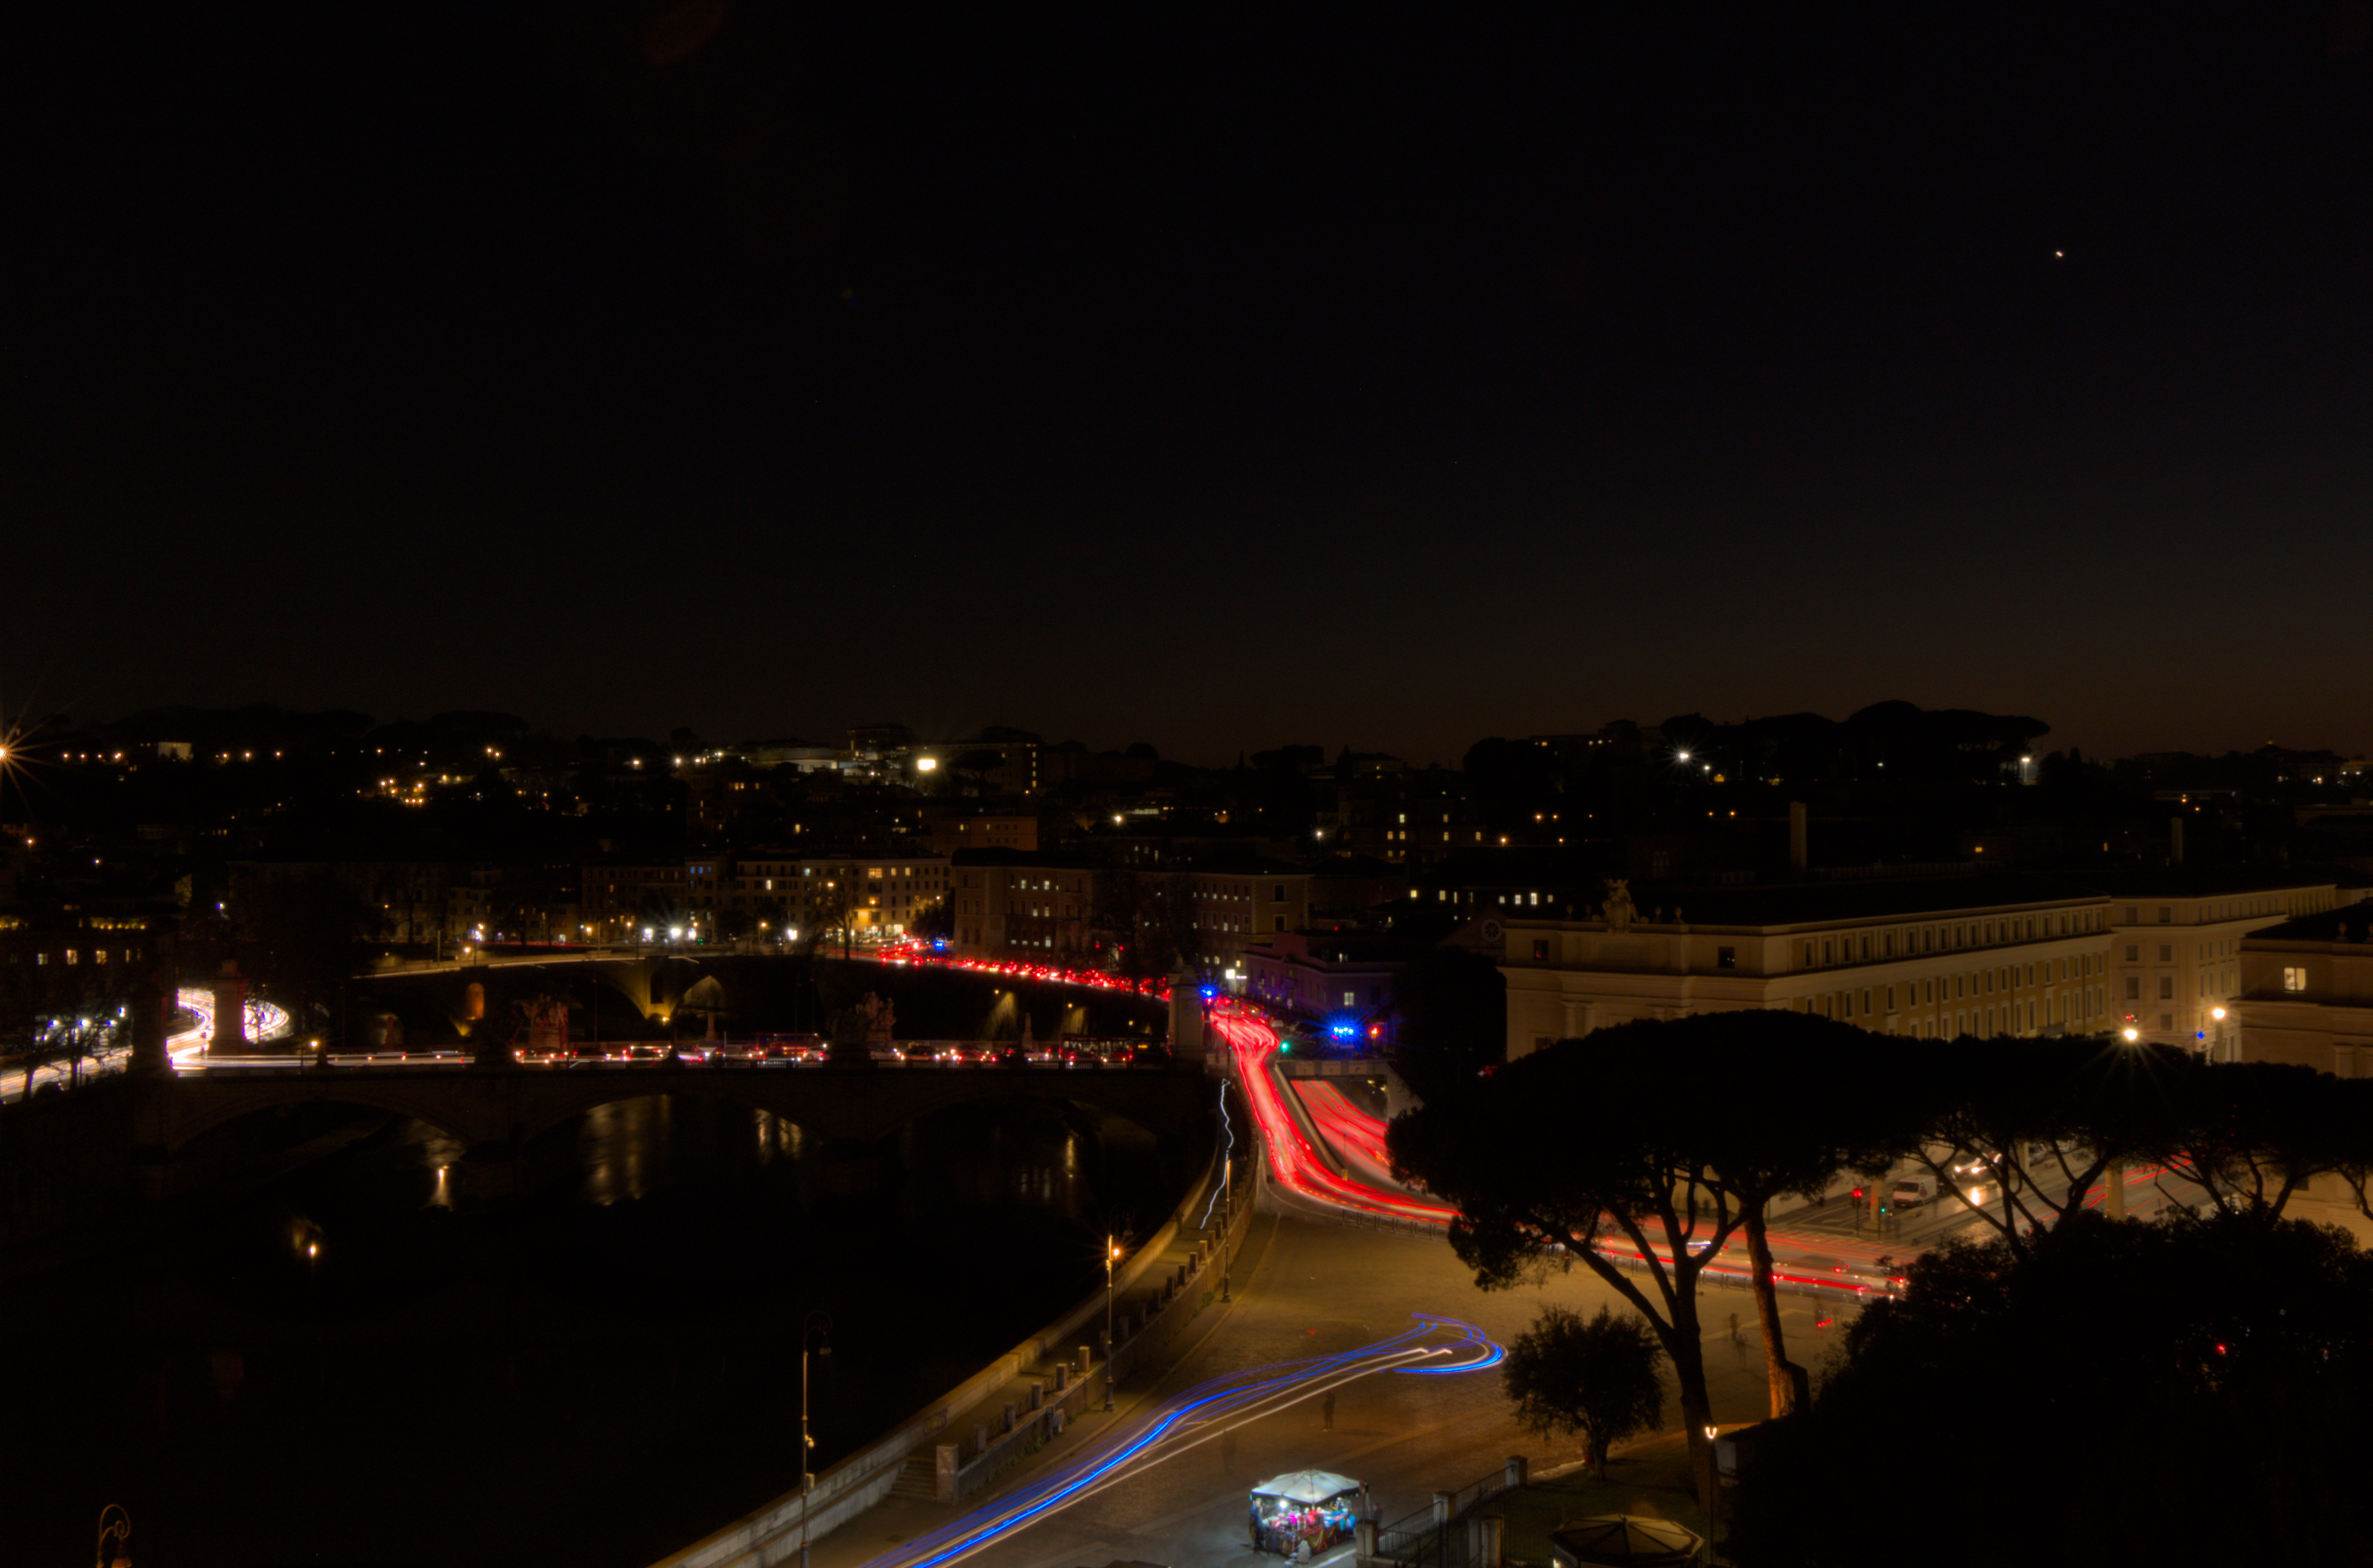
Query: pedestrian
[{"x": 1328, "y": 1412}]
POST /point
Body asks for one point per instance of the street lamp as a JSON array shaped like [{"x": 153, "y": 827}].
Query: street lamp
[
  {"x": 1112, "y": 1255},
  {"x": 117, "y": 1528},
  {"x": 816, "y": 1324}
]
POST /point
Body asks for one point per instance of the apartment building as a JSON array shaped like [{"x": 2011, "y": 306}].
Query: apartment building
[
  {"x": 1345, "y": 978},
  {"x": 1008, "y": 904},
  {"x": 951, "y": 831},
  {"x": 1015, "y": 905},
  {"x": 2175, "y": 949},
  {"x": 2306, "y": 998},
  {"x": 1925, "y": 959},
  {"x": 615, "y": 897},
  {"x": 2306, "y": 992},
  {"x": 880, "y": 894},
  {"x": 1230, "y": 910}
]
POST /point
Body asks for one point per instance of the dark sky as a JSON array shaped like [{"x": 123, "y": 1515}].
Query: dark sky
[{"x": 1212, "y": 378}]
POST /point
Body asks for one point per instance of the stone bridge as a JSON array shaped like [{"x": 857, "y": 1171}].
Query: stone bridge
[{"x": 493, "y": 1111}]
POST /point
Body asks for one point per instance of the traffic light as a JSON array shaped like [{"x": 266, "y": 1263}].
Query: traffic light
[{"x": 1858, "y": 1195}]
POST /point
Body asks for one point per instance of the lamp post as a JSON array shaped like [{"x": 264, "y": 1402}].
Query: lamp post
[
  {"x": 115, "y": 1524},
  {"x": 816, "y": 1324},
  {"x": 1112, "y": 1254}
]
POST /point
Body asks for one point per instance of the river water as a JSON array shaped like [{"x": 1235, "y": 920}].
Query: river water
[{"x": 352, "y": 1363}]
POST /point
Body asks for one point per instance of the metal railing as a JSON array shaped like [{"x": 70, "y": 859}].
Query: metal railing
[{"x": 1433, "y": 1539}]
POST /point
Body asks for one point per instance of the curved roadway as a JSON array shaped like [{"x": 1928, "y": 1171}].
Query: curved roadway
[{"x": 183, "y": 1048}]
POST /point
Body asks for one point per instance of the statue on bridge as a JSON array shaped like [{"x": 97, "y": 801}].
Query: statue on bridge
[
  {"x": 856, "y": 1033},
  {"x": 547, "y": 1026}
]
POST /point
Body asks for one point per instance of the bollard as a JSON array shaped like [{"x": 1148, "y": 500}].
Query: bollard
[
  {"x": 1009, "y": 1415},
  {"x": 1084, "y": 1362},
  {"x": 1037, "y": 1396},
  {"x": 1062, "y": 1376}
]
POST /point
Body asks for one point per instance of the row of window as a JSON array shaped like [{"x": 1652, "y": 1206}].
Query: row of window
[
  {"x": 74, "y": 956},
  {"x": 1960, "y": 987},
  {"x": 1870, "y": 947},
  {"x": 2222, "y": 909}
]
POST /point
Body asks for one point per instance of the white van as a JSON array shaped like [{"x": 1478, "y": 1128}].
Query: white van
[{"x": 1911, "y": 1192}]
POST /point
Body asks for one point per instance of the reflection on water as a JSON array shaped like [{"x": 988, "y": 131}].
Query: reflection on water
[
  {"x": 441, "y": 1152},
  {"x": 633, "y": 1148},
  {"x": 1042, "y": 1156},
  {"x": 623, "y": 1148}
]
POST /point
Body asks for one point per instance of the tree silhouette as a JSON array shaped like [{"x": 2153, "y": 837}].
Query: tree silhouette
[
  {"x": 2235, "y": 1335},
  {"x": 1594, "y": 1375}
]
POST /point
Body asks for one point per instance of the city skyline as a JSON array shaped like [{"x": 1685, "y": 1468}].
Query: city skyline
[{"x": 46, "y": 728}]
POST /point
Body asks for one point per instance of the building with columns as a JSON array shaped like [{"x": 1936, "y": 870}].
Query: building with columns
[{"x": 1918, "y": 957}]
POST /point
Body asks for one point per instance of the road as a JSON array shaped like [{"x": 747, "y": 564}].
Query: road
[
  {"x": 1351, "y": 1130},
  {"x": 1171, "y": 1426},
  {"x": 1294, "y": 1163}
]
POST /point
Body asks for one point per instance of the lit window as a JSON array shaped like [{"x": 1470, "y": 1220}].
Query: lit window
[{"x": 2292, "y": 980}]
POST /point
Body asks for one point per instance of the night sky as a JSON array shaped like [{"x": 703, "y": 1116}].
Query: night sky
[{"x": 1212, "y": 378}]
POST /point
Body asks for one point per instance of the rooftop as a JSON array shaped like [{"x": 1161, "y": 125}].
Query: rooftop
[
  {"x": 1817, "y": 903},
  {"x": 2349, "y": 922}
]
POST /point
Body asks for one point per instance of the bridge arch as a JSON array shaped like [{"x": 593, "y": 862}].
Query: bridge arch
[{"x": 196, "y": 1115}]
